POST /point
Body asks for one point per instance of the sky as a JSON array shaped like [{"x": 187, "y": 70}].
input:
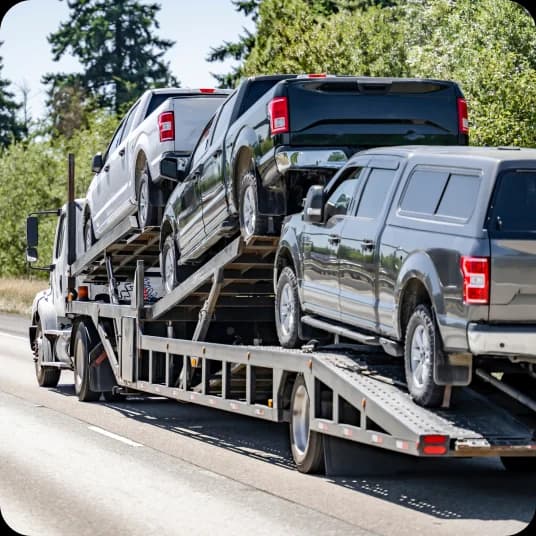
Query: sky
[{"x": 195, "y": 25}]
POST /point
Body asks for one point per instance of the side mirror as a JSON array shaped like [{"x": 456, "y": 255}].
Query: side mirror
[
  {"x": 313, "y": 207},
  {"x": 31, "y": 255},
  {"x": 97, "y": 163},
  {"x": 32, "y": 232}
]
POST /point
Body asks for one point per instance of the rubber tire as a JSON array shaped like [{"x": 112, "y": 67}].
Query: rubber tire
[
  {"x": 148, "y": 217},
  {"x": 247, "y": 181},
  {"x": 88, "y": 227},
  {"x": 87, "y": 337},
  {"x": 519, "y": 464},
  {"x": 292, "y": 339},
  {"x": 429, "y": 395},
  {"x": 46, "y": 376},
  {"x": 169, "y": 243},
  {"x": 313, "y": 461}
]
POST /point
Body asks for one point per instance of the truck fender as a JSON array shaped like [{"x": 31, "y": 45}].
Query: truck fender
[
  {"x": 43, "y": 311},
  {"x": 240, "y": 155},
  {"x": 418, "y": 266},
  {"x": 287, "y": 252}
]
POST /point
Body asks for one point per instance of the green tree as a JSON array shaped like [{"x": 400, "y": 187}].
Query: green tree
[
  {"x": 10, "y": 128},
  {"x": 117, "y": 48}
]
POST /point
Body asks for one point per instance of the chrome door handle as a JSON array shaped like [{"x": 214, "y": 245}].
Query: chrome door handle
[
  {"x": 367, "y": 245},
  {"x": 334, "y": 239}
]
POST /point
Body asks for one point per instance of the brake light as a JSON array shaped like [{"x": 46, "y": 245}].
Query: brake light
[
  {"x": 475, "y": 271},
  {"x": 207, "y": 90},
  {"x": 166, "y": 126},
  {"x": 463, "y": 118},
  {"x": 317, "y": 75},
  {"x": 278, "y": 111},
  {"x": 434, "y": 444}
]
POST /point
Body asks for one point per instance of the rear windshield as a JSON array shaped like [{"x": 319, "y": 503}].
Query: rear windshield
[
  {"x": 255, "y": 91},
  {"x": 513, "y": 209},
  {"x": 191, "y": 115}
]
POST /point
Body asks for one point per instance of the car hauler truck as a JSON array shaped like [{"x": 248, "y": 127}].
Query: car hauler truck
[{"x": 211, "y": 342}]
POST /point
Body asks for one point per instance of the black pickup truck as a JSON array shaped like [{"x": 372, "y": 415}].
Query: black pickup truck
[{"x": 274, "y": 136}]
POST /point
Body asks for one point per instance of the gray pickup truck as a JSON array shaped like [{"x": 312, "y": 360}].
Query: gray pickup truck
[{"x": 429, "y": 252}]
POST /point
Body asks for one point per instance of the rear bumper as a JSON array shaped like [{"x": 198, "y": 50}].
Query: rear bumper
[
  {"x": 287, "y": 159},
  {"x": 502, "y": 340}
]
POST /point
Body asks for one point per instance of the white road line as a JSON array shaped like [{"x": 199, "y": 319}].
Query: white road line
[
  {"x": 115, "y": 436},
  {"x": 20, "y": 337}
]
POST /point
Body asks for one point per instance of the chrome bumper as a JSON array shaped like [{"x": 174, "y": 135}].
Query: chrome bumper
[
  {"x": 309, "y": 158},
  {"x": 486, "y": 339}
]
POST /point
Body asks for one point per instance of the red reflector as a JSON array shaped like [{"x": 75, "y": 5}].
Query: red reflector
[
  {"x": 316, "y": 75},
  {"x": 166, "y": 126},
  {"x": 427, "y": 439},
  {"x": 434, "y": 449},
  {"x": 463, "y": 118},
  {"x": 278, "y": 111},
  {"x": 475, "y": 271},
  {"x": 207, "y": 90}
]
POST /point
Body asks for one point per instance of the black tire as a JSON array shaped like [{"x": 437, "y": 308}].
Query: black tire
[
  {"x": 519, "y": 464},
  {"x": 251, "y": 222},
  {"x": 169, "y": 265},
  {"x": 147, "y": 213},
  {"x": 46, "y": 376},
  {"x": 85, "y": 340},
  {"x": 89, "y": 235},
  {"x": 307, "y": 446},
  {"x": 423, "y": 339},
  {"x": 287, "y": 309}
]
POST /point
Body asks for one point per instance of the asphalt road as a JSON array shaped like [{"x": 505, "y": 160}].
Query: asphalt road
[{"x": 170, "y": 468}]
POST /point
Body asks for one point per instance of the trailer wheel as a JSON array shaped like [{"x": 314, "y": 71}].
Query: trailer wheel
[
  {"x": 519, "y": 464},
  {"x": 287, "y": 309},
  {"x": 421, "y": 349},
  {"x": 146, "y": 212},
  {"x": 46, "y": 376},
  {"x": 307, "y": 446},
  {"x": 85, "y": 340},
  {"x": 251, "y": 222}
]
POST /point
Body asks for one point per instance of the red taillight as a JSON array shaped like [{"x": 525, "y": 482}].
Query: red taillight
[
  {"x": 278, "y": 110},
  {"x": 207, "y": 90},
  {"x": 434, "y": 444},
  {"x": 166, "y": 126},
  {"x": 475, "y": 271},
  {"x": 317, "y": 75},
  {"x": 463, "y": 118}
]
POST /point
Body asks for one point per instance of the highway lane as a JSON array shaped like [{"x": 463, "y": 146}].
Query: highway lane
[{"x": 180, "y": 469}]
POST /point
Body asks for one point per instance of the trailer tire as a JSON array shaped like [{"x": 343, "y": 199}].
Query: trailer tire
[
  {"x": 251, "y": 221},
  {"x": 46, "y": 376},
  {"x": 287, "y": 309},
  {"x": 147, "y": 213},
  {"x": 307, "y": 446},
  {"x": 520, "y": 464},
  {"x": 85, "y": 340},
  {"x": 421, "y": 349}
]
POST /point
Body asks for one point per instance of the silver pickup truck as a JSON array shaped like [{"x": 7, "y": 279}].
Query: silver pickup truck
[{"x": 146, "y": 156}]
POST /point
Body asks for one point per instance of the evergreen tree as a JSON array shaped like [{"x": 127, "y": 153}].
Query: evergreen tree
[
  {"x": 116, "y": 45},
  {"x": 10, "y": 128}
]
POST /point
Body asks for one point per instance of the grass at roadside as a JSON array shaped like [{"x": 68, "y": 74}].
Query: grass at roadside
[{"x": 16, "y": 295}]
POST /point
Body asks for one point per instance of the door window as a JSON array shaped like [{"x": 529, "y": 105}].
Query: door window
[
  {"x": 61, "y": 236},
  {"x": 201, "y": 145},
  {"x": 375, "y": 193},
  {"x": 342, "y": 199},
  {"x": 223, "y": 118},
  {"x": 115, "y": 140},
  {"x": 130, "y": 119}
]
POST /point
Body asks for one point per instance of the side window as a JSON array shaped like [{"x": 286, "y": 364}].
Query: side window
[
  {"x": 130, "y": 119},
  {"x": 115, "y": 140},
  {"x": 61, "y": 236},
  {"x": 423, "y": 191},
  {"x": 460, "y": 196},
  {"x": 340, "y": 201},
  {"x": 201, "y": 145},
  {"x": 223, "y": 118},
  {"x": 375, "y": 193}
]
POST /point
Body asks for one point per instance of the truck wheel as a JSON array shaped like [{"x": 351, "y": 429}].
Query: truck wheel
[
  {"x": 251, "y": 222},
  {"x": 287, "y": 309},
  {"x": 89, "y": 235},
  {"x": 46, "y": 376},
  {"x": 84, "y": 341},
  {"x": 169, "y": 264},
  {"x": 307, "y": 447},
  {"x": 421, "y": 348},
  {"x": 519, "y": 464},
  {"x": 147, "y": 214}
]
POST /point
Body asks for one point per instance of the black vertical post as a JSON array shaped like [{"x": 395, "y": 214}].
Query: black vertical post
[{"x": 71, "y": 221}]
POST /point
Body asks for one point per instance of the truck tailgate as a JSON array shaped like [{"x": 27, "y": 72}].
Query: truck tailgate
[{"x": 372, "y": 112}]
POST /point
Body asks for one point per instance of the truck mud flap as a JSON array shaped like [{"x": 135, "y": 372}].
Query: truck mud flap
[
  {"x": 453, "y": 369},
  {"x": 101, "y": 376}
]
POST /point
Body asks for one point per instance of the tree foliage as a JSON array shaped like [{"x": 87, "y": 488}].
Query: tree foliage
[
  {"x": 117, "y": 48},
  {"x": 10, "y": 128}
]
